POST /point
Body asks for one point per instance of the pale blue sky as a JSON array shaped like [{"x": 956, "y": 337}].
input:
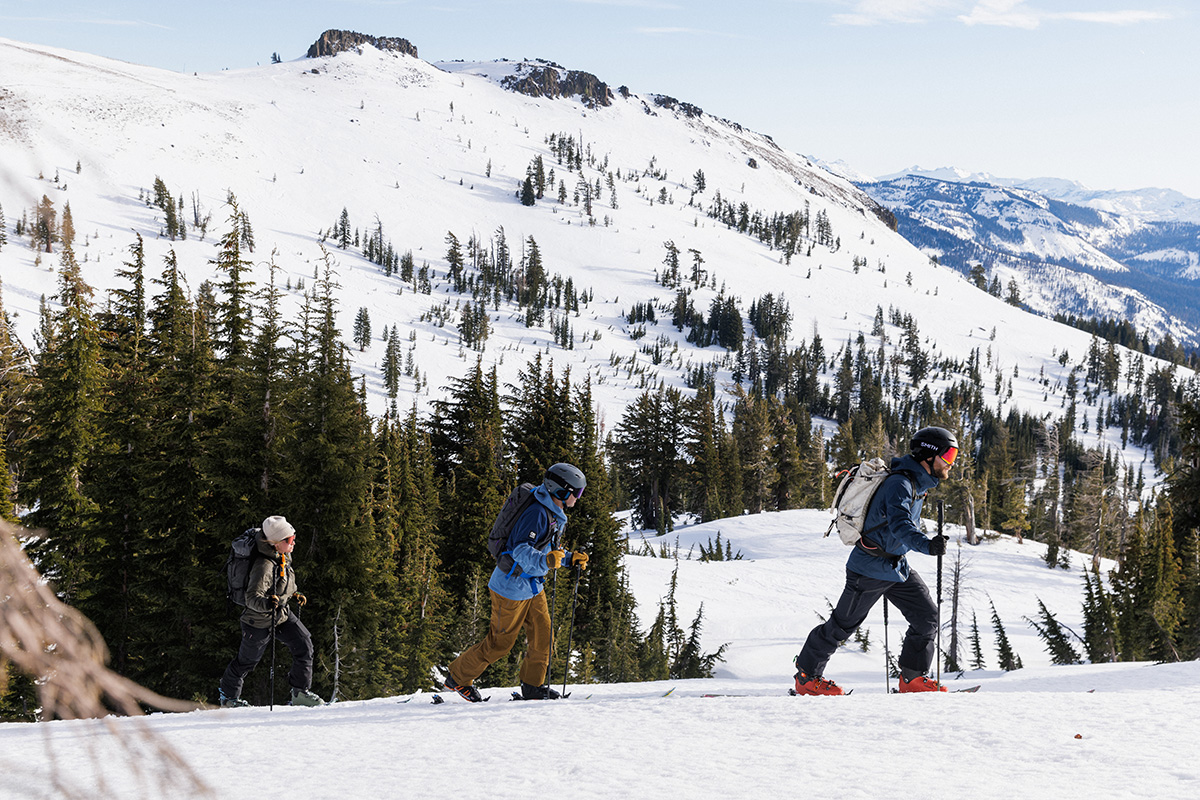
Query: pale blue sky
[{"x": 1100, "y": 91}]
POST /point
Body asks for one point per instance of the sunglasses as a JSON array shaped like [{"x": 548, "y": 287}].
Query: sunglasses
[{"x": 949, "y": 455}]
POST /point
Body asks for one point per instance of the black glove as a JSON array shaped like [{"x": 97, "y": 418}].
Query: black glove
[{"x": 937, "y": 545}]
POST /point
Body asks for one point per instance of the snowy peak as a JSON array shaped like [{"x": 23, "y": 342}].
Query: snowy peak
[
  {"x": 1141, "y": 205},
  {"x": 1068, "y": 258}
]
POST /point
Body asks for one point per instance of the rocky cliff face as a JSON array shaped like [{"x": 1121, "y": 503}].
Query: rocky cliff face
[
  {"x": 333, "y": 42},
  {"x": 550, "y": 80}
]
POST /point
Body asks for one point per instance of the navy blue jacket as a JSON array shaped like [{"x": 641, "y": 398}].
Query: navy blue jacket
[
  {"x": 533, "y": 526},
  {"x": 893, "y": 522}
]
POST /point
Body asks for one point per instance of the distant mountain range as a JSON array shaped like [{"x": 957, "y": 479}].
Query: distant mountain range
[{"x": 1126, "y": 255}]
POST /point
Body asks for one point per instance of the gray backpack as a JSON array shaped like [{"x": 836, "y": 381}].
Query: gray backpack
[
  {"x": 243, "y": 552},
  {"x": 518, "y": 500},
  {"x": 853, "y": 498}
]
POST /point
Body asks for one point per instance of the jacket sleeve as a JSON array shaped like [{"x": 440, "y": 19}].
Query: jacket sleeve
[
  {"x": 261, "y": 586},
  {"x": 903, "y": 534},
  {"x": 529, "y": 527}
]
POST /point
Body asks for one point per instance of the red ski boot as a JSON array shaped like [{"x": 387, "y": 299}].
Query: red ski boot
[
  {"x": 816, "y": 686},
  {"x": 920, "y": 684}
]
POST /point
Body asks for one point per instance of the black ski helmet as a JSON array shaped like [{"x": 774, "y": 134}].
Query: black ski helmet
[
  {"x": 932, "y": 441},
  {"x": 562, "y": 480}
]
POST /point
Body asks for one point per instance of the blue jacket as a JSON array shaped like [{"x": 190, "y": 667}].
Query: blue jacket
[
  {"x": 533, "y": 525},
  {"x": 893, "y": 522}
]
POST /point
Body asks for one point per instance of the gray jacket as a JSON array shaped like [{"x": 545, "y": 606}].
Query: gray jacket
[{"x": 270, "y": 575}]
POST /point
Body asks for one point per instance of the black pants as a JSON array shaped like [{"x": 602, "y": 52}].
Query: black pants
[
  {"x": 860, "y": 595},
  {"x": 292, "y": 634}
]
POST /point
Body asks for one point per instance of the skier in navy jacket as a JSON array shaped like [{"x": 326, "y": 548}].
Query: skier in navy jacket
[
  {"x": 878, "y": 567},
  {"x": 517, "y": 594}
]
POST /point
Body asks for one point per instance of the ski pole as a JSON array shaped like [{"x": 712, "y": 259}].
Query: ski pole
[
  {"x": 274, "y": 617},
  {"x": 571, "y": 629},
  {"x": 941, "y": 521},
  {"x": 553, "y": 600},
  {"x": 887, "y": 655}
]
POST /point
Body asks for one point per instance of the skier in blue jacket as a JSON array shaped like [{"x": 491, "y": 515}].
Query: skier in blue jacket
[
  {"x": 878, "y": 567},
  {"x": 518, "y": 599}
]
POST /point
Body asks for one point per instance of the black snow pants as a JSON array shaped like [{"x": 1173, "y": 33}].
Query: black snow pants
[
  {"x": 292, "y": 634},
  {"x": 861, "y": 593}
]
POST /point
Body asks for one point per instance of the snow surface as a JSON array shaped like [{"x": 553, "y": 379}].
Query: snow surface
[{"x": 1095, "y": 731}]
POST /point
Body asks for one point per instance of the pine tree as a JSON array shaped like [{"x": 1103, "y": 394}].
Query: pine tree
[
  {"x": 541, "y": 425},
  {"x": 788, "y": 490},
  {"x": 391, "y": 363},
  {"x": 691, "y": 661},
  {"x": 648, "y": 445},
  {"x": 234, "y": 332},
  {"x": 126, "y": 580},
  {"x": 1051, "y": 631},
  {"x": 703, "y": 429},
  {"x": 752, "y": 432},
  {"x": 977, "y": 661},
  {"x": 467, "y": 440},
  {"x": 64, "y": 410},
  {"x": 362, "y": 329},
  {"x": 195, "y": 637},
  {"x": 325, "y": 482},
  {"x": 1099, "y": 620},
  {"x": 1005, "y": 656},
  {"x": 528, "y": 197},
  {"x": 533, "y": 294},
  {"x": 14, "y": 380}
]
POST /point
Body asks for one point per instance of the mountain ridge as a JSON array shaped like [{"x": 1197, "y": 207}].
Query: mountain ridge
[{"x": 416, "y": 151}]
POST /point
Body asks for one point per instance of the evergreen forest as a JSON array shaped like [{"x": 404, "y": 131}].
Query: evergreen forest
[{"x": 144, "y": 430}]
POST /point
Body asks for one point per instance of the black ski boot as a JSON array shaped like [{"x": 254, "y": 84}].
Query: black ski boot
[{"x": 531, "y": 692}]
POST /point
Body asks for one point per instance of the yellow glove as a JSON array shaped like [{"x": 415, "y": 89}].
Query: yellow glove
[
  {"x": 554, "y": 559},
  {"x": 274, "y": 600},
  {"x": 301, "y": 600},
  {"x": 579, "y": 560}
]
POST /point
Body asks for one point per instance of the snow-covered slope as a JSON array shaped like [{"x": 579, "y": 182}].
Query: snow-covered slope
[
  {"x": 423, "y": 151},
  {"x": 1096, "y": 731}
]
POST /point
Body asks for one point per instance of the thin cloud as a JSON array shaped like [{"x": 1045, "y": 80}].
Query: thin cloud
[
  {"x": 881, "y": 12},
  {"x": 1018, "y": 14},
  {"x": 1000, "y": 13},
  {"x": 131, "y": 23}
]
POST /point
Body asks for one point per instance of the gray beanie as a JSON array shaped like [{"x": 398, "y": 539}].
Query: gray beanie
[{"x": 276, "y": 529}]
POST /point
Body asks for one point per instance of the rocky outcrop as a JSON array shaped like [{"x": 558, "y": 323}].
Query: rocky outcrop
[
  {"x": 551, "y": 80},
  {"x": 671, "y": 104},
  {"x": 333, "y": 42}
]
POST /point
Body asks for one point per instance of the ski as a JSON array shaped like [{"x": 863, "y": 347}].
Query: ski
[
  {"x": 438, "y": 700},
  {"x": 846, "y": 693},
  {"x": 969, "y": 689}
]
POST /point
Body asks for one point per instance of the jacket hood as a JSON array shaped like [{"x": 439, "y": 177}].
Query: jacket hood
[
  {"x": 545, "y": 499},
  {"x": 923, "y": 481},
  {"x": 265, "y": 548}
]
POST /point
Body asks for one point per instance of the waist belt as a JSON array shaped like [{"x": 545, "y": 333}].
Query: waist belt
[{"x": 874, "y": 550}]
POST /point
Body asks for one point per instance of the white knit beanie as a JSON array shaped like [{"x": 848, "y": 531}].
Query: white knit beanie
[{"x": 276, "y": 529}]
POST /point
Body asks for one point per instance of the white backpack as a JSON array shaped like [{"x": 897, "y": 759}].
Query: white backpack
[{"x": 853, "y": 498}]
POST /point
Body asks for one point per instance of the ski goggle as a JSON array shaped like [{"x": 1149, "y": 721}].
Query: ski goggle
[
  {"x": 949, "y": 456},
  {"x": 578, "y": 493}
]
